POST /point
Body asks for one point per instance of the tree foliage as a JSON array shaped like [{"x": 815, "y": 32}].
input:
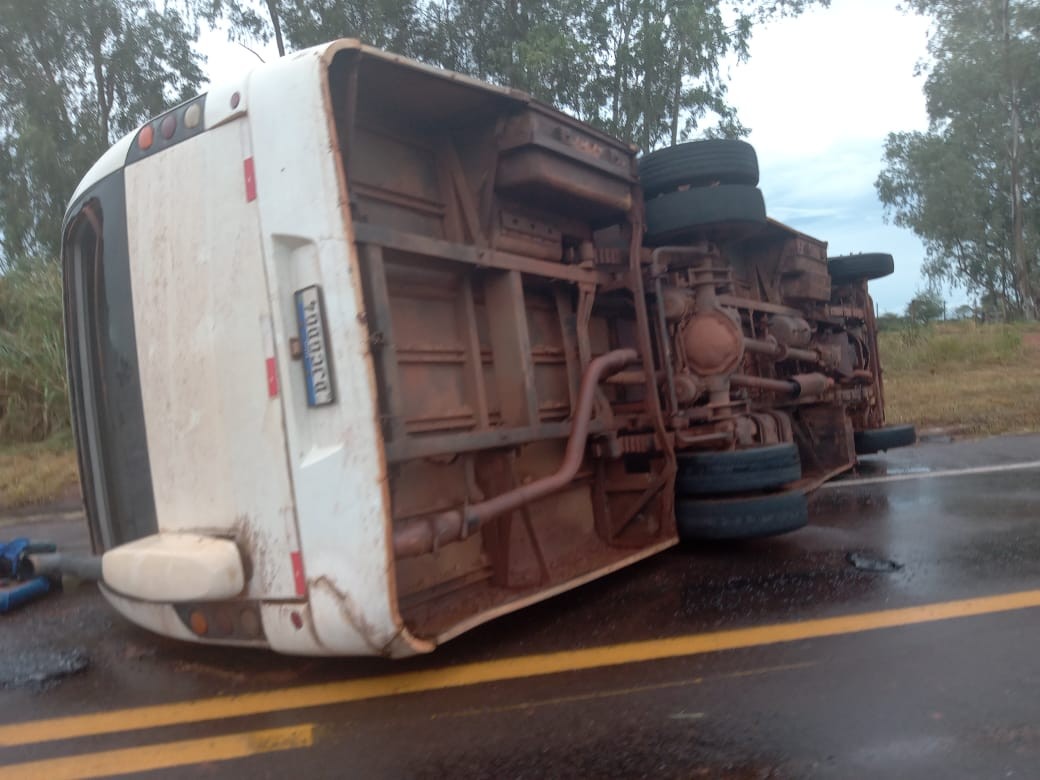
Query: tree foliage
[
  {"x": 970, "y": 185},
  {"x": 77, "y": 74},
  {"x": 649, "y": 71}
]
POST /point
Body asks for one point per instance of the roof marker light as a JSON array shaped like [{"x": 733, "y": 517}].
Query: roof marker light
[
  {"x": 192, "y": 116},
  {"x": 145, "y": 137},
  {"x": 168, "y": 126}
]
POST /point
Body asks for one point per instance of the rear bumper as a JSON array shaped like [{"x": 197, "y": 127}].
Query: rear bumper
[
  {"x": 286, "y": 627},
  {"x": 195, "y": 588}
]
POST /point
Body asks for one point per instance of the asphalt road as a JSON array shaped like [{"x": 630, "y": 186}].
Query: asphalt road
[{"x": 897, "y": 635}]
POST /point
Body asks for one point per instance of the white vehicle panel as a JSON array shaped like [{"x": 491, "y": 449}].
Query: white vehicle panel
[
  {"x": 213, "y": 419},
  {"x": 336, "y": 450}
]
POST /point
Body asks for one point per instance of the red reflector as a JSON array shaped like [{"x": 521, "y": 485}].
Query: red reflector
[
  {"x": 297, "y": 571},
  {"x": 272, "y": 378},
  {"x": 250, "y": 179}
]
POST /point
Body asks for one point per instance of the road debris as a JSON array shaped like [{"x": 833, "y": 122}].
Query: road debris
[
  {"x": 42, "y": 668},
  {"x": 866, "y": 562}
]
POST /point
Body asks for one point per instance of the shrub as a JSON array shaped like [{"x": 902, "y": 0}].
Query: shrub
[{"x": 33, "y": 390}]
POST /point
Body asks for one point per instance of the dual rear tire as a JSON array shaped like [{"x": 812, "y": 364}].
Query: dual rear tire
[
  {"x": 709, "y": 189},
  {"x": 701, "y": 188},
  {"x": 739, "y": 494}
]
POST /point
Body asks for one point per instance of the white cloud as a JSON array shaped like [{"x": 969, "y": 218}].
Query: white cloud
[
  {"x": 838, "y": 73},
  {"x": 225, "y": 60}
]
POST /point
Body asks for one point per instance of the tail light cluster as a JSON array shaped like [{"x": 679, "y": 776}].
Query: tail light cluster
[
  {"x": 234, "y": 620},
  {"x": 176, "y": 125}
]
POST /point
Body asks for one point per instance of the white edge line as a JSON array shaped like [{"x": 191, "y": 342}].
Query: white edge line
[{"x": 1032, "y": 464}]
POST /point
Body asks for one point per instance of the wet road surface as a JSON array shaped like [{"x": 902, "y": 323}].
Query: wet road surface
[{"x": 896, "y": 635}]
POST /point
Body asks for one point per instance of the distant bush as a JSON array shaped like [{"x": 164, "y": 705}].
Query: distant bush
[{"x": 33, "y": 391}]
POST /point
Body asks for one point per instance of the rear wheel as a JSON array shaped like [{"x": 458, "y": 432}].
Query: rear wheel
[
  {"x": 888, "y": 438},
  {"x": 856, "y": 268},
  {"x": 699, "y": 163},
  {"x": 746, "y": 517},
  {"x": 738, "y": 471},
  {"x": 725, "y": 212}
]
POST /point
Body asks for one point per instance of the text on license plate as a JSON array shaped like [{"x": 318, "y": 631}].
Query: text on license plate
[{"x": 310, "y": 319}]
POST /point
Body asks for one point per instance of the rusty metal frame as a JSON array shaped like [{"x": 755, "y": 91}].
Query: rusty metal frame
[{"x": 425, "y": 246}]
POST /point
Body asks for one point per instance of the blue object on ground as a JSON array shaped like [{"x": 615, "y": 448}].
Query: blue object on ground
[
  {"x": 18, "y": 585},
  {"x": 14, "y": 557},
  {"x": 23, "y": 592}
]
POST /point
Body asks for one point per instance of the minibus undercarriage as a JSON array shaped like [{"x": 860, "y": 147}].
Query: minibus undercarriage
[{"x": 543, "y": 368}]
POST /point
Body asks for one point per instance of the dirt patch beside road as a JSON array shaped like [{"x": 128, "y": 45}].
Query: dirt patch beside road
[{"x": 33, "y": 474}]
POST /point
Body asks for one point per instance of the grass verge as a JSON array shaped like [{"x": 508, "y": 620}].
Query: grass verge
[
  {"x": 971, "y": 379},
  {"x": 37, "y": 473}
]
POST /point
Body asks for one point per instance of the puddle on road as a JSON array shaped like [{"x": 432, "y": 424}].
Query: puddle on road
[{"x": 41, "y": 669}]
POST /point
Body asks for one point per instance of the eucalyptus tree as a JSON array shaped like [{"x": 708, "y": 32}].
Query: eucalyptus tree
[
  {"x": 649, "y": 71},
  {"x": 77, "y": 74},
  {"x": 969, "y": 186}
]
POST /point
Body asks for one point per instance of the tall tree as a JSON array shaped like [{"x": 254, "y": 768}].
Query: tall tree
[
  {"x": 648, "y": 71},
  {"x": 77, "y": 75},
  {"x": 970, "y": 185}
]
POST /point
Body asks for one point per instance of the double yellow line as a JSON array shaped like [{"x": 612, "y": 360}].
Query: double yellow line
[
  {"x": 163, "y": 756},
  {"x": 200, "y": 710}
]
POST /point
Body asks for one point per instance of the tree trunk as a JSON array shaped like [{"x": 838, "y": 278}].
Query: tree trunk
[
  {"x": 680, "y": 66},
  {"x": 272, "y": 9},
  {"x": 1020, "y": 264}
]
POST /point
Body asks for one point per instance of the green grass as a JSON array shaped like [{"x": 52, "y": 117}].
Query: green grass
[
  {"x": 37, "y": 462},
  {"x": 952, "y": 344},
  {"x": 967, "y": 378},
  {"x": 33, "y": 393}
]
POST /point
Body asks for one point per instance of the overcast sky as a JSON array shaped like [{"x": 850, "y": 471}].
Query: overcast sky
[{"x": 820, "y": 93}]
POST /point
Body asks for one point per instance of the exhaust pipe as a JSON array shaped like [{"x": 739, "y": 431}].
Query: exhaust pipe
[
  {"x": 85, "y": 567},
  {"x": 420, "y": 535}
]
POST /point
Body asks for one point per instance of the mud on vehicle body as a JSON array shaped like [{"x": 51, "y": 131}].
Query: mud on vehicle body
[{"x": 442, "y": 357}]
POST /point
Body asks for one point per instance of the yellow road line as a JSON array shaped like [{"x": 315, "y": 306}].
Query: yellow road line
[
  {"x": 163, "y": 756},
  {"x": 322, "y": 694},
  {"x": 531, "y": 704}
]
